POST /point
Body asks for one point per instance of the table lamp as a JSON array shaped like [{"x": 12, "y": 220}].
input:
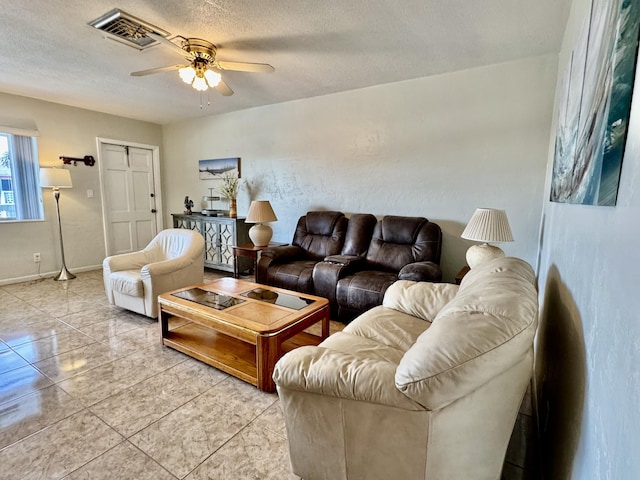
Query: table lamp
[
  {"x": 57, "y": 178},
  {"x": 260, "y": 212},
  {"x": 486, "y": 225}
]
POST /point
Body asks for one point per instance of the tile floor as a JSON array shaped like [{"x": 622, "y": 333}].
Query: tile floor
[{"x": 88, "y": 392}]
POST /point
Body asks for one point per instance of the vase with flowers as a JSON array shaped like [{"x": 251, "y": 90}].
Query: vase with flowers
[{"x": 229, "y": 190}]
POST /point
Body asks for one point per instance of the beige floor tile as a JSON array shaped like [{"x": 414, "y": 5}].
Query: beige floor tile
[
  {"x": 79, "y": 360},
  {"x": 252, "y": 454},
  {"x": 122, "y": 462},
  {"x": 58, "y": 450},
  {"x": 142, "y": 337},
  {"x": 55, "y": 345},
  {"x": 30, "y": 413},
  {"x": 205, "y": 424},
  {"x": 97, "y": 314},
  {"x": 101, "y": 382},
  {"x": 10, "y": 360},
  {"x": 43, "y": 286},
  {"x": 272, "y": 419},
  {"x": 18, "y": 333},
  {"x": 9, "y": 303},
  {"x": 21, "y": 315},
  {"x": 235, "y": 393},
  {"x": 21, "y": 381},
  {"x": 116, "y": 325},
  {"x": 137, "y": 407},
  {"x": 62, "y": 307}
]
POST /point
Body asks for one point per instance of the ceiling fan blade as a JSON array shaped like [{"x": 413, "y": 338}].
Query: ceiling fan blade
[
  {"x": 168, "y": 43},
  {"x": 245, "y": 67},
  {"x": 224, "y": 89},
  {"x": 151, "y": 71}
]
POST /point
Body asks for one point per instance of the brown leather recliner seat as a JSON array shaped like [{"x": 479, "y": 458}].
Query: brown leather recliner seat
[
  {"x": 317, "y": 235},
  {"x": 401, "y": 248}
]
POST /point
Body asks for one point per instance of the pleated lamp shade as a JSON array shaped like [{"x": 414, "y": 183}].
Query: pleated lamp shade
[
  {"x": 486, "y": 225},
  {"x": 260, "y": 212}
]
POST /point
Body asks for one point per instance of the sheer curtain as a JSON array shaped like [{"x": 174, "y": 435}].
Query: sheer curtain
[{"x": 25, "y": 177}]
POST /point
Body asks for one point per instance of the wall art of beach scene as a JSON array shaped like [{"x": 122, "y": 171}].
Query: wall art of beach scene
[
  {"x": 215, "y": 168},
  {"x": 595, "y": 103}
]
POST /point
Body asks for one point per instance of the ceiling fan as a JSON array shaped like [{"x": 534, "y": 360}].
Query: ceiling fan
[{"x": 203, "y": 70}]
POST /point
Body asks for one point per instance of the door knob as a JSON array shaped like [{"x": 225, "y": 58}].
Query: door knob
[{"x": 153, "y": 210}]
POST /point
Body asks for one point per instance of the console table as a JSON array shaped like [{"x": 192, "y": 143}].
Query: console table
[{"x": 220, "y": 235}]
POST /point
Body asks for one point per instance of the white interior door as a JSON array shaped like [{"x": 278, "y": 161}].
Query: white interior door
[{"x": 129, "y": 197}]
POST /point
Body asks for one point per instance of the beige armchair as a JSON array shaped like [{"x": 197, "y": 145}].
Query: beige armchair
[
  {"x": 173, "y": 259},
  {"x": 425, "y": 386}
]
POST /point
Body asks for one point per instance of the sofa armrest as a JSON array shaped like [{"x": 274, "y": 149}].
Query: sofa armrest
[
  {"x": 345, "y": 260},
  {"x": 280, "y": 254},
  {"x": 283, "y": 253},
  {"x": 165, "y": 266},
  {"x": 126, "y": 261},
  {"x": 419, "y": 299},
  {"x": 421, "y": 272},
  {"x": 327, "y": 273},
  {"x": 341, "y": 375}
]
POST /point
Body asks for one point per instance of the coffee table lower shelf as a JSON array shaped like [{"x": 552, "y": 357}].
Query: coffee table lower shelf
[{"x": 223, "y": 352}]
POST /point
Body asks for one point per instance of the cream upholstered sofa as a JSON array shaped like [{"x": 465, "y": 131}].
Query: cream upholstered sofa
[
  {"x": 173, "y": 259},
  {"x": 426, "y": 386}
]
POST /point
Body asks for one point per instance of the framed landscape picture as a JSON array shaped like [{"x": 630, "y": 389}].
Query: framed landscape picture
[
  {"x": 595, "y": 103},
  {"x": 212, "y": 169}
]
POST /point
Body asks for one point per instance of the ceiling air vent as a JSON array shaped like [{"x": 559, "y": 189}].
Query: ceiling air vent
[{"x": 127, "y": 29}]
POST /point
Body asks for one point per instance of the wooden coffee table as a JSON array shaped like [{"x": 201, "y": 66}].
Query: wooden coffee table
[{"x": 240, "y": 327}]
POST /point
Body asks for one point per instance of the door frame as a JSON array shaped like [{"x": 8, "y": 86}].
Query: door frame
[{"x": 157, "y": 184}]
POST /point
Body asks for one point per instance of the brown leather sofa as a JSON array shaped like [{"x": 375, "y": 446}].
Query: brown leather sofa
[{"x": 353, "y": 262}]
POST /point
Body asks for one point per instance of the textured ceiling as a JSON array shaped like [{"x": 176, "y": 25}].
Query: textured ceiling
[{"x": 48, "y": 50}]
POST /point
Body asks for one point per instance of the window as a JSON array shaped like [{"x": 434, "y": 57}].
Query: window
[{"x": 20, "y": 195}]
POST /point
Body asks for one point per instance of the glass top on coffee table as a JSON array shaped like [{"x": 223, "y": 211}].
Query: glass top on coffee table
[{"x": 278, "y": 298}]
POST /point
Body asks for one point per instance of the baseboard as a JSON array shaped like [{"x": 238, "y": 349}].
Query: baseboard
[{"x": 43, "y": 275}]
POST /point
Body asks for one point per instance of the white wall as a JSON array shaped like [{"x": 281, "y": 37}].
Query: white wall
[
  {"x": 71, "y": 132},
  {"x": 436, "y": 147},
  {"x": 589, "y": 336}
]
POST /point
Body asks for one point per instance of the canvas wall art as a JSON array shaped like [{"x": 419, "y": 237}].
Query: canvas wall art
[
  {"x": 595, "y": 103},
  {"x": 215, "y": 168}
]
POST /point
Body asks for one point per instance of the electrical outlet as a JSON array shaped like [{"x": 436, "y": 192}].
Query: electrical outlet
[{"x": 36, "y": 258}]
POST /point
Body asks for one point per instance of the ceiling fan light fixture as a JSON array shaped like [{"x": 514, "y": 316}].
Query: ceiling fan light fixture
[
  {"x": 213, "y": 78},
  {"x": 200, "y": 84},
  {"x": 187, "y": 74}
]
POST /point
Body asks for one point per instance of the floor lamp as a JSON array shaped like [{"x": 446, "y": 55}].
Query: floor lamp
[{"x": 57, "y": 178}]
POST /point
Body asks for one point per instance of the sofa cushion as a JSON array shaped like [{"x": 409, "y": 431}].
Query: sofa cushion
[
  {"x": 388, "y": 327},
  {"x": 128, "y": 282},
  {"x": 398, "y": 241},
  {"x": 362, "y": 347},
  {"x": 296, "y": 275},
  {"x": 363, "y": 290},
  {"x": 321, "y": 234},
  {"x": 358, "y": 235},
  {"x": 420, "y": 299},
  {"x": 493, "y": 322}
]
